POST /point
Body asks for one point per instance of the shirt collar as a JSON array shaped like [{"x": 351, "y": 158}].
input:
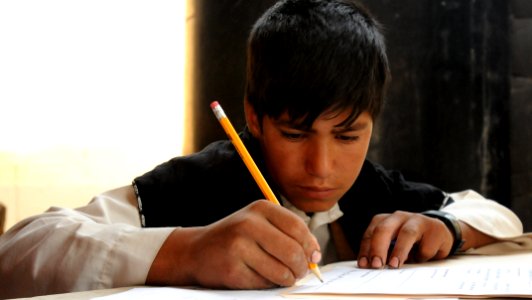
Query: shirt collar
[{"x": 317, "y": 219}]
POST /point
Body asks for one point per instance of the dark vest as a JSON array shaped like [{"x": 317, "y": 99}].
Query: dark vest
[{"x": 204, "y": 187}]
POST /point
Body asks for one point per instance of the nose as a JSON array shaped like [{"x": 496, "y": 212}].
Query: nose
[{"x": 319, "y": 159}]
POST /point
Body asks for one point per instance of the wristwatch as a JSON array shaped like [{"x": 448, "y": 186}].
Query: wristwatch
[{"x": 452, "y": 223}]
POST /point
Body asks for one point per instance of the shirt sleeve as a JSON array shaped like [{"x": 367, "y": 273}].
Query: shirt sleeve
[
  {"x": 97, "y": 246},
  {"x": 491, "y": 218}
]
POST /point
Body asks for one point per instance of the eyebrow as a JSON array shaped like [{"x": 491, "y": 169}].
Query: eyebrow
[{"x": 356, "y": 126}]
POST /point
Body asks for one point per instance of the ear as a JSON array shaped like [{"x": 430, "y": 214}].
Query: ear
[{"x": 252, "y": 119}]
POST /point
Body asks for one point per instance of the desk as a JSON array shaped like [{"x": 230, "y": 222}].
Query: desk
[
  {"x": 520, "y": 258},
  {"x": 81, "y": 295}
]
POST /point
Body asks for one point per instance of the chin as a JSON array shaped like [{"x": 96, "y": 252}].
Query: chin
[{"x": 313, "y": 206}]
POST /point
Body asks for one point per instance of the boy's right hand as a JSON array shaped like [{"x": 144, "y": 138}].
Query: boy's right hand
[{"x": 260, "y": 246}]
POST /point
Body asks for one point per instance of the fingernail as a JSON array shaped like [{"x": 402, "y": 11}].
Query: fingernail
[
  {"x": 376, "y": 262},
  {"x": 363, "y": 262},
  {"x": 287, "y": 275},
  {"x": 394, "y": 262},
  {"x": 315, "y": 257}
]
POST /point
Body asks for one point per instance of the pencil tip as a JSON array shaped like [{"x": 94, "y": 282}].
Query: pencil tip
[{"x": 315, "y": 269}]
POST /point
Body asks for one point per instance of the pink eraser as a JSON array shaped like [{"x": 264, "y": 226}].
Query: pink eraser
[{"x": 214, "y": 104}]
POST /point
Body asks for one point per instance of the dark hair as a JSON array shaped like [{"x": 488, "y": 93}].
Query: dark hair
[{"x": 306, "y": 57}]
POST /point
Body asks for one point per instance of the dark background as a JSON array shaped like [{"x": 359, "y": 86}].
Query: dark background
[{"x": 459, "y": 110}]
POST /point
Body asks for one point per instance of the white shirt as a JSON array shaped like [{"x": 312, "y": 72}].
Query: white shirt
[
  {"x": 318, "y": 225},
  {"x": 102, "y": 244}
]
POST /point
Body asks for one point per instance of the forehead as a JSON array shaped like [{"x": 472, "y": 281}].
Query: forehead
[{"x": 338, "y": 118}]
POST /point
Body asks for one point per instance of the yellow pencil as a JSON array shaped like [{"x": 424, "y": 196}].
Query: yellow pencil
[{"x": 250, "y": 164}]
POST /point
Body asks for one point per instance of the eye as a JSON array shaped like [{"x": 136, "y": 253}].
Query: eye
[
  {"x": 294, "y": 136},
  {"x": 347, "y": 138}
]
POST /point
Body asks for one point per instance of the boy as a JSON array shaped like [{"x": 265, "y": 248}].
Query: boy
[{"x": 316, "y": 76}]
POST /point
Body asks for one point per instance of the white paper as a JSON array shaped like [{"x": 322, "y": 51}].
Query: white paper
[
  {"x": 173, "y": 293},
  {"x": 445, "y": 281}
]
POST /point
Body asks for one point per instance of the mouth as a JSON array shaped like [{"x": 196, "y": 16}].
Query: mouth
[{"x": 318, "y": 193}]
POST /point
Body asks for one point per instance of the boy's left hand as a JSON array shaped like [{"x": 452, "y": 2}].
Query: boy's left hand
[{"x": 392, "y": 239}]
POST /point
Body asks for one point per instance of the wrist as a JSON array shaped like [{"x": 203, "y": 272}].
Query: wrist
[
  {"x": 452, "y": 223},
  {"x": 171, "y": 264}
]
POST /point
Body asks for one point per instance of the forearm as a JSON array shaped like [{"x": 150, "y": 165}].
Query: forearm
[
  {"x": 473, "y": 238},
  {"x": 67, "y": 250},
  {"x": 483, "y": 221}
]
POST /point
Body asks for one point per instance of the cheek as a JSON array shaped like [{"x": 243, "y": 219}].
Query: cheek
[
  {"x": 350, "y": 167},
  {"x": 354, "y": 170},
  {"x": 350, "y": 162},
  {"x": 283, "y": 161}
]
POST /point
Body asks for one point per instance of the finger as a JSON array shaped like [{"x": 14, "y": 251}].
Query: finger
[
  {"x": 253, "y": 280},
  {"x": 243, "y": 276},
  {"x": 436, "y": 243},
  {"x": 377, "y": 240},
  {"x": 286, "y": 251},
  {"x": 365, "y": 243},
  {"x": 429, "y": 248},
  {"x": 407, "y": 237},
  {"x": 292, "y": 226},
  {"x": 273, "y": 270}
]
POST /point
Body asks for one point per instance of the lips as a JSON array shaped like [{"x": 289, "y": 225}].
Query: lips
[{"x": 315, "y": 192}]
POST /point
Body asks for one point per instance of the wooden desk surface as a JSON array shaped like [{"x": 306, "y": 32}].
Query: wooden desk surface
[{"x": 521, "y": 258}]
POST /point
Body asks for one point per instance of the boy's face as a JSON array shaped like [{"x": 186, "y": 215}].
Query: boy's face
[{"x": 314, "y": 168}]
